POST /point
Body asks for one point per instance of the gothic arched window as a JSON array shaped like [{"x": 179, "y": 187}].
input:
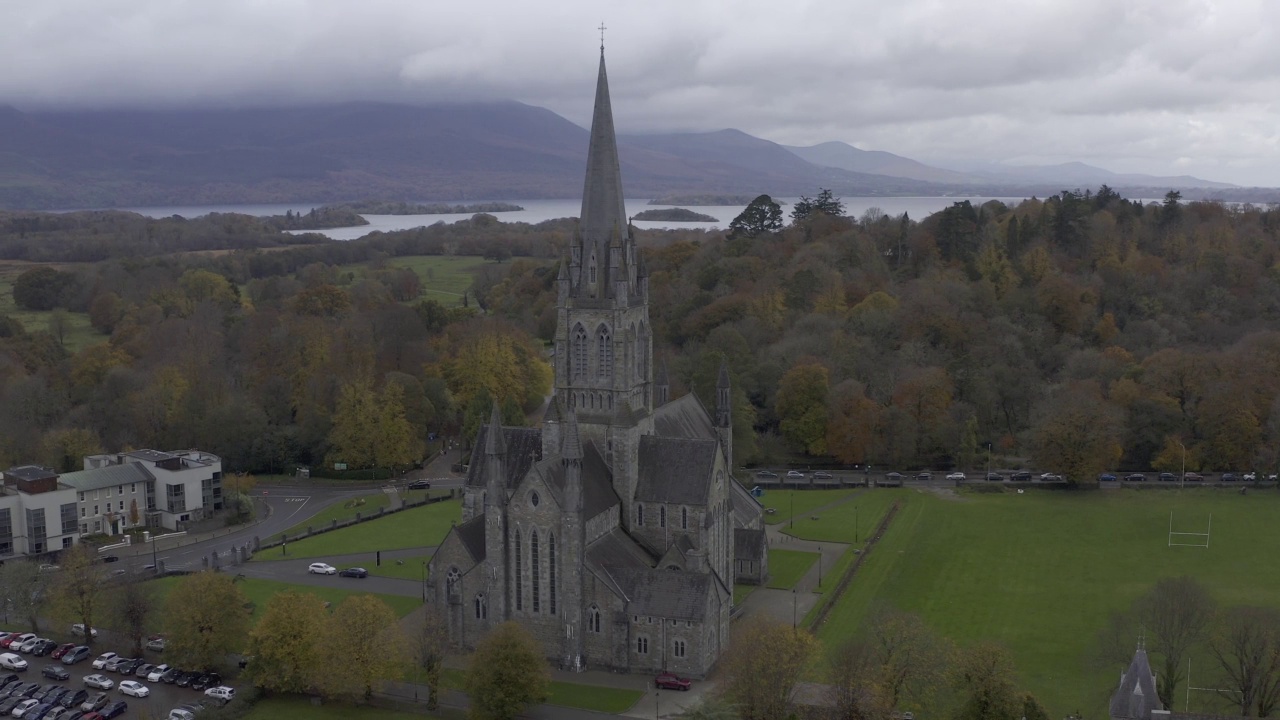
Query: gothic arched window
[
  {"x": 684, "y": 518},
  {"x": 482, "y": 607},
  {"x": 578, "y": 352},
  {"x": 519, "y": 573},
  {"x": 640, "y": 514},
  {"x": 451, "y": 578},
  {"x": 534, "y": 575},
  {"x": 593, "y": 619},
  {"x": 604, "y": 352},
  {"x": 551, "y": 573},
  {"x": 662, "y": 516}
]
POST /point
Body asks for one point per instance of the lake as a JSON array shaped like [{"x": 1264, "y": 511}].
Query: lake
[{"x": 536, "y": 211}]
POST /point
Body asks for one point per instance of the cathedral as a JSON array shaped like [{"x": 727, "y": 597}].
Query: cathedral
[{"x": 613, "y": 532}]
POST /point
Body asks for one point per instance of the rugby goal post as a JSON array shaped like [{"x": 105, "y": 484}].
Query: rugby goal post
[{"x": 1180, "y": 538}]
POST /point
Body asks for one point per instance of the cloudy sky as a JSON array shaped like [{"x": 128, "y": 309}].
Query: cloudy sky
[{"x": 1158, "y": 86}]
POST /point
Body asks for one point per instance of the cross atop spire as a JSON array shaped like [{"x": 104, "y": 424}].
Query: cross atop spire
[{"x": 602, "y": 28}]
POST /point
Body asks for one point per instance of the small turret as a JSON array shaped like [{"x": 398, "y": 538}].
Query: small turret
[
  {"x": 661, "y": 386},
  {"x": 724, "y": 413}
]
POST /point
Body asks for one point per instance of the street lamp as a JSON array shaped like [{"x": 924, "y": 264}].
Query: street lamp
[
  {"x": 1183, "y": 483},
  {"x": 793, "y": 509},
  {"x": 819, "y": 567},
  {"x": 793, "y": 608},
  {"x": 988, "y": 476}
]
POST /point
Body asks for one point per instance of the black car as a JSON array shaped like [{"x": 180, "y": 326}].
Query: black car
[
  {"x": 1230, "y": 477},
  {"x": 185, "y": 679},
  {"x": 127, "y": 668},
  {"x": 9, "y": 703},
  {"x": 110, "y": 558},
  {"x": 420, "y": 485},
  {"x": 44, "y": 647},
  {"x": 170, "y": 675},
  {"x": 206, "y": 681},
  {"x": 42, "y": 692},
  {"x": 767, "y": 475},
  {"x": 39, "y": 711},
  {"x": 1135, "y": 477},
  {"x": 8, "y": 678},
  {"x": 354, "y": 572},
  {"x": 73, "y": 698},
  {"x": 994, "y": 477},
  {"x": 95, "y": 702},
  {"x": 822, "y": 475},
  {"x": 55, "y": 672},
  {"x": 1021, "y": 476},
  {"x": 115, "y": 709},
  {"x": 1167, "y": 477},
  {"x": 55, "y": 695},
  {"x": 143, "y": 670},
  {"x": 26, "y": 690}
]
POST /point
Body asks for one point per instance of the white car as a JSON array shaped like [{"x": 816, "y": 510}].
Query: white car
[
  {"x": 222, "y": 692},
  {"x": 134, "y": 688},
  {"x": 157, "y": 672},
  {"x": 21, "y": 708},
  {"x": 795, "y": 475},
  {"x": 103, "y": 659},
  {"x": 78, "y": 629},
  {"x": 181, "y": 714},
  {"x": 956, "y": 476},
  {"x": 322, "y": 569},
  {"x": 16, "y": 643},
  {"x": 9, "y": 661},
  {"x": 100, "y": 682},
  {"x": 1251, "y": 476},
  {"x": 28, "y": 645}
]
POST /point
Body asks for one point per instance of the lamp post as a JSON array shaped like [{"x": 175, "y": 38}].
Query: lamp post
[
  {"x": 1183, "y": 482},
  {"x": 855, "y": 524},
  {"x": 793, "y": 608},
  {"x": 819, "y": 567},
  {"x": 793, "y": 509},
  {"x": 424, "y": 581},
  {"x": 988, "y": 475},
  {"x": 657, "y": 704}
]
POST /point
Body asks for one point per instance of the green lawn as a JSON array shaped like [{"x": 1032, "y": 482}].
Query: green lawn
[
  {"x": 366, "y": 505},
  {"x": 259, "y": 591},
  {"x": 786, "y": 567},
  {"x": 804, "y": 502},
  {"x": 300, "y": 708},
  {"x": 848, "y": 522},
  {"x": 79, "y": 333},
  {"x": 409, "y": 568},
  {"x": 1041, "y": 572},
  {"x": 416, "y": 527}
]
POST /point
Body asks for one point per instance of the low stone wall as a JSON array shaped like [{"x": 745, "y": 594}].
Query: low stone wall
[
  {"x": 829, "y": 600},
  {"x": 336, "y": 524}
]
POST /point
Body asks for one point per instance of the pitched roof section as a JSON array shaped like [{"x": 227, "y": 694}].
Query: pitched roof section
[
  {"x": 523, "y": 449},
  {"x": 747, "y": 510},
  {"x": 675, "y": 470},
  {"x": 604, "y": 211},
  {"x": 1136, "y": 697},
  {"x": 471, "y": 533},
  {"x": 683, "y": 418},
  {"x": 598, "y": 494},
  {"x": 493, "y": 443},
  {"x": 667, "y": 594},
  {"x": 748, "y": 544},
  {"x": 107, "y": 476},
  {"x": 615, "y": 551}
]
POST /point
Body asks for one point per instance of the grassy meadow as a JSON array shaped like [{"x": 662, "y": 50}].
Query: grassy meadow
[
  {"x": 423, "y": 526},
  {"x": 1042, "y": 571},
  {"x": 79, "y": 334},
  {"x": 803, "y": 502}
]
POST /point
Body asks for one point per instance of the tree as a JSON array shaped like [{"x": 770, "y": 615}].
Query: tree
[
  {"x": 44, "y": 288},
  {"x": 853, "y": 689},
  {"x": 507, "y": 674},
  {"x": 24, "y": 588},
  {"x": 372, "y": 646},
  {"x": 826, "y": 204},
  {"x": 910, "y": 659},
  {"x": 764, "y": 661},
  {"x": 397, "y": 445},
  {"x": 761, "y": 215},
  {"x": 1077, "y": 433},
  {"x": 1246, "y": 645},
  {"x": 207, "y": 617},
  {"x": 132, "y": 607},
  {"x": 77, "y": 588},
  {"x": 801, "y": 404},
  {"x": 59, "y": 324},
  {"x": 64, "y": 450},
  {"x": 430, "y": 646},
  {"x": 285, "y": 645},
  {"x": 1177, "y": 614},
  {"x": 984, "y": 680}
]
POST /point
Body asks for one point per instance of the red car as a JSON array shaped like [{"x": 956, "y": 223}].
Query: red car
[
  {"x": 671, "y": 681},
  {"x": 62, "y": 650}
]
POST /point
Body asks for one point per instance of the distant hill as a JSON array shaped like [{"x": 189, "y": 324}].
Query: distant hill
[
  {"x": 1083, "y": 175},
  {"x": 465, "y": 152}
]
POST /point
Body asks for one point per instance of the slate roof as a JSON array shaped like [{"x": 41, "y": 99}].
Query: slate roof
[
  {"x": 471, "y": 533},
  {"x": 604, "y": 211},
  {"x": 675, "y": 470},
  {"x": 615, "y": 551},
  {"x": 684, "y": 417},
  {"x": 107, "y": 476},
  {"x": 523, "y": 449},
  {"x": 598, "y": 494},
  {"x": 748, "y": 544},
  {"x": 1136, "y": 697},
  {"x": 668, "y": 594},
  {"x": 746, "y": 509}
]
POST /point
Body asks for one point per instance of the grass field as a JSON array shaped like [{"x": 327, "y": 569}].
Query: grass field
[
  {"x": 79, "y": 334},
  {"x": 848, "y": 522},
  {"x": 416, "y": 527},
  {"x": 1041, "y": 572},
  {"x": 803, "y": 501},
  {"x": 260, "y": 591},
  {"x": 300, "y": 708},
  {"x": 366, "y": 505},
  {"x": 444, "y": 277},
  {"x": 786, "y": 567},
  {"x": 409, "y": 568}
]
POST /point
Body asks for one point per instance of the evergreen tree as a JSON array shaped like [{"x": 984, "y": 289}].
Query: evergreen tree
[{"x": 762, "y": 215}]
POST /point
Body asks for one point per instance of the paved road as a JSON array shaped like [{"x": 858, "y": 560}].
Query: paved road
[{"x": 295, "y": 571}]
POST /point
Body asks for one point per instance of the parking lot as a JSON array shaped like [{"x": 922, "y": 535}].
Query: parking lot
[{"x": 161, "y": 699}]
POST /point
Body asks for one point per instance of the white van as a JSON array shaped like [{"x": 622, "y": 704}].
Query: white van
[{"x": 9, "y": 661}]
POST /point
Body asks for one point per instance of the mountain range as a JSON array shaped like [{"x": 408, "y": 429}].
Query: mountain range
[{"x": 462, "y": 152}]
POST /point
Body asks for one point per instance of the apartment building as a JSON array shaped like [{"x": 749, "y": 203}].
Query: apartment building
[
  {"x": 37, "y": 512},
  {"x": 146, "y": 487}
]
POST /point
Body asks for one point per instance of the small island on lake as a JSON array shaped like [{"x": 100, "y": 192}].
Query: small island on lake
[
  {"x": 382, "y": 207},
  {"x": 674, "y": 215},
  {"x": 706, "y": 200},
  {"x": 321, "y": 218}
]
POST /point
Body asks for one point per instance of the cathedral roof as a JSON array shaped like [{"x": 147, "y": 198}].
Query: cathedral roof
[
  {"x": 471, "y": 533},
  {"x": 615, "y": 551},
  {"x": 598, "y": 494},
  {"x": 523, "y": 447},
  {"x": 684, "y": 417},
  {"x": 667, "y": 594},
  {"x": 1136, "y": 697},
  {"x": 675, "y": 470},
  {"x": 746, "y": 509}
]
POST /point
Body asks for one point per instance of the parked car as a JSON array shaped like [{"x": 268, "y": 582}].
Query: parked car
[
  {"x": 206, "y": 680},
  {"x": 181, "y": 714},
  {"x": 14, "y": 642},
  {"x": 23, "y": 707},
  {"x": 420, "y": 485},
  {"x": 99, "y": 682},
  {"x": 319, "y": 568},
  {"x": 76, "y": 654},
  {"x": 133, "y": 688},
  {"x": 354, "y": 572},
  {"x": 55, "y": 672},
  {"x": 127, "y": 667},
  {"x": 8, "y": 704},
  {"x": 956, "y": 476},
  {"x": 78, "y": 629},
  {"x": 795, "y": 475},
  {"x": 142, "y": 670},
  {"x": 1230, "y": 477},
  {"x": 95, "y": 702},
  {"x": 9, "y": 661},
  {"x": 1135, "y": 477},
  {"x": 1167, "y": 477},
  {"x": 44, "y": 691},
  {"x": 114, "y": 710},
  {"x": 44, "y": 647},
  {"x": 925, "y": 477},
  {"x": 995, "y": 477},
  {"x": 39, "y": 711},
  {"x": 1050, "y": 477},
  {"x": 185, "y": 678},
  {"x": 27, "y": 645},
  {"x": 61, "y": 650},
  {"x": 1193, "y": 476},
  {"x": 823, "y": 475},
  {"x": 103, "y": 659},
  {"x": 156, "y": 643},
  {"x": 113, "y": 665},
  {"x": 1021, "y": 476},
  {"x": 1250, "y": 476},
  {"x": 221, "y": 692},
  {"x": 671, "y": 681},
  {"x": 74, "y": 698},
  {"x": 157, "y": 672},
  {"x": 767, "y": 475},
  {"x": 1107, "y": 477},
  {"x": 170, "y": 675}
]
